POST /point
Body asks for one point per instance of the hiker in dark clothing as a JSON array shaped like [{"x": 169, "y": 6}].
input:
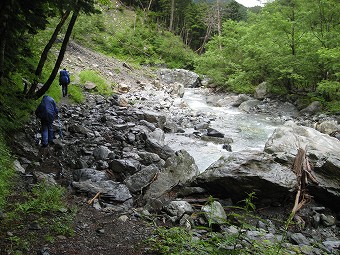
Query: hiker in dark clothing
[
  {"x": 46, "y": 112},
  {"x": 64, "y": 81}
]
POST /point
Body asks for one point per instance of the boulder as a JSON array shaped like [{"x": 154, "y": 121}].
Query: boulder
[
  {"x": 248, "y": 105},
  {"x": 313, "y": 108},
  {"x": 323, "y": 152},
  {"x": 261, "y": 91},
  {"x": 188, "y": 78},
  {"x": 248, "y": 171},
  {"x": 328, "y": 127},
  {"x": 178, "y": 170},
  {"x": 141, "y": 179}
]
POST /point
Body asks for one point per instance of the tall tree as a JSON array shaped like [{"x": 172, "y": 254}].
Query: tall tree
[{"x": 88, "y": 7}]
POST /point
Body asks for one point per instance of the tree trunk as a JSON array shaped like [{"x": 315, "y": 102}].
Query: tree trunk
[
  {"x": 45, "y": 52},
  {"x": 5, "y": 8},
  {"x": 172, "y": 15},
  {"x": 54, "y": 73},
  {"x": 2, "y": 55},
  {"x": 219, "y": 22}
]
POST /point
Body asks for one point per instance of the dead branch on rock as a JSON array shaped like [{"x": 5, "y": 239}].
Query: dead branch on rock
[
  {"x": 303, "y": 170},
  {"x": 90, "y": 202}
]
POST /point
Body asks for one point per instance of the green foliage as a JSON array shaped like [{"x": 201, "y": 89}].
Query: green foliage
[
  {"x": 101, "y": 85},
  {"x": 330, "y": 90},
  {"x": 14, "y": 109},
  {"x": 178, "y": 240},
  {"x": 44, "y": 205},
  {"x": 248, "y": 202},
  {"x": 131, "y": 39},
  {"x": 7, "y": 172},
  {"x": 43, "y": 198},
  {"x": 287, "y": 44}
]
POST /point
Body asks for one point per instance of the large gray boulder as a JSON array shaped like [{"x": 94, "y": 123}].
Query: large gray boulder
[
  {"x": 287, "y": 139},
  {"x": 261, "y": 91},
  {"x": 188, "y": 78},
  {"x": 322, "y": 150},
  {"x": 248, "y": 171},
  {"x": 178, "y": 170}
]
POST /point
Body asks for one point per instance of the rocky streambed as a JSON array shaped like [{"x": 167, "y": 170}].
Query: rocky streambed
[{"x": 115, "y": 148}]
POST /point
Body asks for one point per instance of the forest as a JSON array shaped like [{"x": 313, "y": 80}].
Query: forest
[{"x": 293, "y": 45}]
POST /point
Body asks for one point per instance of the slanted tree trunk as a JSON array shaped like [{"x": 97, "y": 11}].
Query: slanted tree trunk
[
  {"x": 54, "y": 72},
  {"x": 45, "y": 52}
]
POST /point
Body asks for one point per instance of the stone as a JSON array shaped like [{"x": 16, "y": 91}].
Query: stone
[{"x": 214, "y": 213}]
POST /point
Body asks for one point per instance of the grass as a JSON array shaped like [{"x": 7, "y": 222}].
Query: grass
[
  {"x": 102, "y": 87},
  {"x": 7, "y": 172},
  {"x": 182, "y": 241},
  {"x": 44, "y": 206}
]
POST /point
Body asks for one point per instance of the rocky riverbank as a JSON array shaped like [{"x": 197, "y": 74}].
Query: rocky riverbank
[{"x": 114, "y": 148}]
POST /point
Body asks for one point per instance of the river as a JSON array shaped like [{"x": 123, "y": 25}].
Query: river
[{"x": 248, "y": 131}]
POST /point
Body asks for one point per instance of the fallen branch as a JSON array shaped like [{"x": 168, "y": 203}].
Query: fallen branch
[
  {"x": 303, "y": 170},
  {"x": 90, "y": 202}
]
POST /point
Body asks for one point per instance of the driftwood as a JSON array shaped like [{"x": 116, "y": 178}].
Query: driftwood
[
  {"x": 90, "y": 202},
  {"x": 303, "y": 170}
]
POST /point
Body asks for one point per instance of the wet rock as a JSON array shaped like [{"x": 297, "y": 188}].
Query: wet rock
[
  {"x": 248, "y": 106},
  {"x": 214, "y": 133},
  {"x": 245, "y": 172}
]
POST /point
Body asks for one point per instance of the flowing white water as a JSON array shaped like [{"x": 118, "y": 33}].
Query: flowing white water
[{"x": 248, "y": 131}]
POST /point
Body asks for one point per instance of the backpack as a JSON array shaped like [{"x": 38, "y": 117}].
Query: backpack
[{"x": 64, "y": 77}]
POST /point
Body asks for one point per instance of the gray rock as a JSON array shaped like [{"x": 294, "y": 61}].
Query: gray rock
[
  {"x": 313, "y": 108},
  {"x": 247, "y": 171},
  {"x": 247, "y": 106},
  {"x": 126, "y": 166},
  {"x": 141, "y": 179},
  {"x": 101, "y": 152},
  {"x": 85, "y": 174},
  {"x": 179, "y": 208},
  {"x": 187, "y": 78},
  {"x": 261, "y": 91},
  {"x": 299, "y": 239},
  {"x": 179, "y": 169},
  {"x": 110, "y": 190},
  {"x": 214, "y": 213}
]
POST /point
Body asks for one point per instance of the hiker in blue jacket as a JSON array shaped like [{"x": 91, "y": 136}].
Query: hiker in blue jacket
[
  {"x": 46, "y": 112},
  {"x": 64, "y": 81}
]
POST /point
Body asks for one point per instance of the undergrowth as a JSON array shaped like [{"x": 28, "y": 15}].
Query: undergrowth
[
  {"x": 42, "y": 209},
  {"x": 204, "y": 239}
]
